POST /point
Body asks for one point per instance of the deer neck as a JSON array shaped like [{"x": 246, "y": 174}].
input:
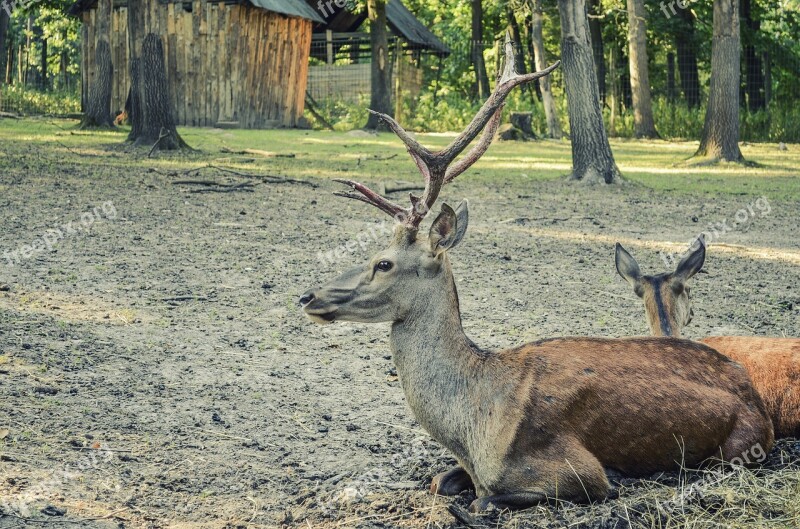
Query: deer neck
[{"x": 441, "y": 370}]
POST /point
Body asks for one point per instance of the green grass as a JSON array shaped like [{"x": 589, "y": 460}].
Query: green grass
[{"x": 659, "y": 165}]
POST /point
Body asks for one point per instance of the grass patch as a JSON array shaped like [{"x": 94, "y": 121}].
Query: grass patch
[{"x": 320, "y": 154}]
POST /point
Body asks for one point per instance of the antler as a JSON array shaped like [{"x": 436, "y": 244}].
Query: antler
[{"x": 435, "y": 166}]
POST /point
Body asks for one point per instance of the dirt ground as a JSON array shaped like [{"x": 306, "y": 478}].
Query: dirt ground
[{"x": 157, "y": 372}]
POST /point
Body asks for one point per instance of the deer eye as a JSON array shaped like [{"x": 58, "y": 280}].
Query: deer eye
[{"x": 384, "y": 266}]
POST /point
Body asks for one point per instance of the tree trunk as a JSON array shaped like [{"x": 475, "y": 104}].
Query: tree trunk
[
  {"x": 380, "y": 73},
  {"x": 152, "y": 118},
  {"x": 540, "y": 60},
  {"x": 613, "y": 99},
  {"x": 592, "y": 160},
  {"x": 516, "y": 36},
  {"x": 481, "y": 77},
  {"x": 754, "y": 73},
  {"x": 98, "y": 104},
  {"x": 44, "y": 82},
  {"x": 598, "y": 50},
  {"x": 687, "y": 58},
  {"x": 720, "y": 138},
  {"x": 671, "y": 77},
  {"x": 3, "y": 36},
  {"x": 643, "y": 123}
]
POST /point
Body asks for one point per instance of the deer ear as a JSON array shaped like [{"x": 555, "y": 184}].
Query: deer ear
[
  {"x": 449, "y": 227},
  {"x": 692, "y": 263},
  {"x": 627, "y": 266}
]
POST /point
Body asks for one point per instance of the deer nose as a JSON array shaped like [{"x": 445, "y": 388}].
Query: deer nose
[{"x": 306, "y": 298}]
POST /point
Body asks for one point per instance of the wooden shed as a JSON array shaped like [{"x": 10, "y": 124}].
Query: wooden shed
[{"x": 239, "y": 63}]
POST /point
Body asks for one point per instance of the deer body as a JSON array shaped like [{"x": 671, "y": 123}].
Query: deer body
[
  {"x": 773, "y": 364},
  {"x": 550, "y": 418}
]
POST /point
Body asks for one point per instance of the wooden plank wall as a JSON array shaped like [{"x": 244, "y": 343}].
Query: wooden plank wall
[{"x": 224, "y": 62}]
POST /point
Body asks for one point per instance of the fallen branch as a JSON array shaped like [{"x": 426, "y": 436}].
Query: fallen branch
[
  {"x": 311, "y": 107},
  {"x": 161, "y": 135},
  {"x": 265, "y": 154},
  {"x": 186, "y": 298},
  {"x": 461, "y": 514},
  {"x": 243, "y": 186}
]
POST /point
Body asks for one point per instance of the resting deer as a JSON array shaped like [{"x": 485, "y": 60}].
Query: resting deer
[
  {"x": 545, "y": 419},
  {"x": 773, "y": 363}
]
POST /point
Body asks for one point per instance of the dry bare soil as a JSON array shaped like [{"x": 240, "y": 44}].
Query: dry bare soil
[{"x": 156, "y": 371}]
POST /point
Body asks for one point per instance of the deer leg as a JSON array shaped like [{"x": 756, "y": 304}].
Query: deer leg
[
  {"x": 514, "y": 500},
  {"x": 451, "y": 483}
]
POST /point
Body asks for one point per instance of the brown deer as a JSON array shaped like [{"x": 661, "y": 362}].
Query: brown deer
[
  {"x": 547, "y": 419},
  {"x": 773, "y": 363}
]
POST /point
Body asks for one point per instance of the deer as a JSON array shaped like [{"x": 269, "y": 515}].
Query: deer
[
  {"x": 772, "y": 363},
  {"x": 548, "y": 419}
]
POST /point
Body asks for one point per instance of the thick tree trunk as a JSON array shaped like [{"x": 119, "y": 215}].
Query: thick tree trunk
[
  {"x": 478, "y": 63},
  {"x": 98, "y": 103},
  {"x": 540, "y": 61},
  {"x": 754, "y": 73},
  {"x": 598, "y": 50},
  {"x": 643, "y": 124},
  {"x": 152, "y": 120},
  {"x": 3, "y": 36},
  {"x": 158, "y": 125},
  {"x": 687, "y": 58},
  {"x": 380, "y": 72},
  {"x": 592, "y": 160},
  {"x": 720, "y": 138}
]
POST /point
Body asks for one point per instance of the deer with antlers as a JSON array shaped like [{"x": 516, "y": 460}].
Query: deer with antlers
[
  {"x": 546, "y": 419},
  {"x": 773, "y": 363}
]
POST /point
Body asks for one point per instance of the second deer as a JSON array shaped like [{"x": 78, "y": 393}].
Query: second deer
[{"x": 773, "y": 363}]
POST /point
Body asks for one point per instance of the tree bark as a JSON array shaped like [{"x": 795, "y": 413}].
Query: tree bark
[
  {"x": 754, "y": 73},
  {"x": 643, "y": 123},
  {"x": 152, "y": 120},
  {"x": 598, "y": 50},
  {"x": 687, "y": 58},
  {"x": 380, "y": 72},
  {"x": 516, "y": 36},
  {"x": 45, "y": 78},
  {"x": 478, "y": 63},
  {"x": 98, "y": 104},
  {"x": 671, "y": 77},
  {"x": 3, "y": 36},
  {"x": 592, "y": 160},
  {"x": 720, "y": 140},
  {"x": 540, "y": 60}
]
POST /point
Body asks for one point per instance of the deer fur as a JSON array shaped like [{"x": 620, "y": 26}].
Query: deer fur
[
  {"x": 772, "y": 363},
  {"x": 547, "y": 419}
]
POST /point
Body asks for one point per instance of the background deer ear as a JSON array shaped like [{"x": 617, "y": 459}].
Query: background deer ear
[
  {"x": 449, "y": 227},
  {"x": 627, "y": 266},
  {"x": 692, "y": 263}
]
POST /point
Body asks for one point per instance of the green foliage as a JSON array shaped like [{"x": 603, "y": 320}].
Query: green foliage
[{"x": 30, "y": 101}]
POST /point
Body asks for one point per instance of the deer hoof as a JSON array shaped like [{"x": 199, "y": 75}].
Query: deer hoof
[{"x": 451, "y": 483}]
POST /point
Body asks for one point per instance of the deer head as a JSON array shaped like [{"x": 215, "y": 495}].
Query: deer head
[
  {"x": 666, "y": 296},
  {"x": 413, "y": 269}
]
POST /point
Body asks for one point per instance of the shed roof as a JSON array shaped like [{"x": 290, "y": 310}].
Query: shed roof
[
  {"x": 401, "y": 21},
  {"x": 291, "y": 8}
]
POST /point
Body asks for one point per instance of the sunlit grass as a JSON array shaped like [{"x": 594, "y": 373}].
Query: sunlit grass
[{"x": 659, "y": 165}]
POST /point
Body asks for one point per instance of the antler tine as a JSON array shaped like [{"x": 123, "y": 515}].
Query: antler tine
[
  {"x": 495, "y": 102},
  {"x": 477, "y": 151},
  {"x": 371, "y": 197},
  {"x": 415, "y": 148}
]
